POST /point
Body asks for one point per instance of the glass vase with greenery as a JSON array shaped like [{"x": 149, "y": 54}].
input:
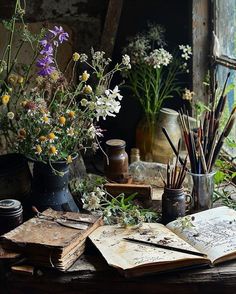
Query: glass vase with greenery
[{"x": 155, "y": 73}]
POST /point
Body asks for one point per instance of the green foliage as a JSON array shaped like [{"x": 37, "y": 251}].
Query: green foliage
[
  {"x": 224, "y": 197},
  {"x": 122, "y": 209},
  {"x": 185, "y": 222},
  {"x": 224, "y": 183}
]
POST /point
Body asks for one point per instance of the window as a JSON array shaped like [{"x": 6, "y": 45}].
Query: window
[{"x": 224, "y": 51}]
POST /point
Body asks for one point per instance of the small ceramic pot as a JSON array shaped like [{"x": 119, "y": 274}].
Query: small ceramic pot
[{"x": 175, "y": 203}]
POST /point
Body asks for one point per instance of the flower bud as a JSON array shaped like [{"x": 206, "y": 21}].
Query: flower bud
[
  {"x": 76, "y": 56},
  {"x": 85, "y": 76},
  {"x": 87, "y": 89},
  {"x": 10, "y": 115}
]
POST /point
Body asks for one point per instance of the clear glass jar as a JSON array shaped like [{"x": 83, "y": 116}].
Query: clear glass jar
[{"x": 202, "y": 189}]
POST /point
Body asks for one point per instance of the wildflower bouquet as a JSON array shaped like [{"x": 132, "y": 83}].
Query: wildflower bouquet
[
  {"x": 155, "y": 71},
  {"x": 45, "y": 113}
]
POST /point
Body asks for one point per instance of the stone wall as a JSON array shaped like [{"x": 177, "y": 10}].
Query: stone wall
[{"x": 84, "y": 18}]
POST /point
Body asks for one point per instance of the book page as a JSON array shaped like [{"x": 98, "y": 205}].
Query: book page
[
  {"x": 125, "y": 255},
  {"x": 213, "y": 231}
]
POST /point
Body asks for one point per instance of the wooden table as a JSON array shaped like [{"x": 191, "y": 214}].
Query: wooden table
[{"x": 93, "y": 275}]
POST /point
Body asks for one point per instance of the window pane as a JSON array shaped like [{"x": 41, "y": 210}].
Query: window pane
[
  {"x": 231, "y": 101},
  {"x": 226, "y": 26}
]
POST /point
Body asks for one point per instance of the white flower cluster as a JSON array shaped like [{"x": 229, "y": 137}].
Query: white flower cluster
[
  {"x": 98, "y": 59},
  {"x": 91, "y": 201},
  {"x": 186, "y": 51},
  {"x": 158, "y": 57},
  {"x": 93, "y": 132},
  {"x": 83, "y": 57},
  {"x": 138, "y": 48},
  {"x": 156, "y": 34},
  {"x": 107, "y": 105},
  {"x": 126, "y": 61}
]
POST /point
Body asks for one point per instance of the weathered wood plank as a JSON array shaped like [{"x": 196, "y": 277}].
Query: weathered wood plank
[
  {"x": 97, "y": 277},
  {"x": 111, "y": 26},
  {"x": 200, "y": 45}
]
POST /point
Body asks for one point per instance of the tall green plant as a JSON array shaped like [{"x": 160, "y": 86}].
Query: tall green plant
[{"x": 154, "y": 76}]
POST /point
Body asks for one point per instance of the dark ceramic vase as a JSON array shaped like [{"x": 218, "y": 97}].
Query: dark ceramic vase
[{"x": 49, "y": 189}]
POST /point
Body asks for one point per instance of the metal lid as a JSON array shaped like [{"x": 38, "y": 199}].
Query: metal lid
[
  {"x": 9, "y": 205},
  {"x": 116, "y": 143}
]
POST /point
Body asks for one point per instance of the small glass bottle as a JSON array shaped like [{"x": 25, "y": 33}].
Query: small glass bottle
[
  {"x": 134, "y": 155},
  {"x": 116, "y": 165},
  {"x": 11, "y": 215}
]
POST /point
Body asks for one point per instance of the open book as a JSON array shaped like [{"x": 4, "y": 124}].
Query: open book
[{"x": 211, "y": 232}]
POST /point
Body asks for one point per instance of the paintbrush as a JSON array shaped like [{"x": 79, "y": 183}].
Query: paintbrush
[
  {"x": 172, "y": 145},
  {"x": 167, "y": 247},
  {"x": 202, "y": 157},
  {"x": 176, "y": 164},
  {"x": 168, "y": 174},
  {"x": 181, "y": 175},
  {"x": 225, "y": 133},
  {"x": 220, "y": 107}
]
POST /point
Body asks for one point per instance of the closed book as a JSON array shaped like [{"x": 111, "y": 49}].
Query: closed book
[{"x": 54, "y": 238}]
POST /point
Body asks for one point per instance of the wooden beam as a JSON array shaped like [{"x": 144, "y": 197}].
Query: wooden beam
[
  {"x": 111, "y": 26},
  {"x": 200, "y": 45}
]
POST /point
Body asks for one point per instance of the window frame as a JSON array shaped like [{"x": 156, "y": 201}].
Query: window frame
[{"x": 223, "y": 60}]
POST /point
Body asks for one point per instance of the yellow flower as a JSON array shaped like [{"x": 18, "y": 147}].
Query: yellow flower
[
  {"x": 51, "y": 136},
  {"x": 84, "y": 102},
  {"x": 71, "y": 114},
  {"x": 69, "y": 159},
  {"x": 87, "y": 89},
  {"x": 54, "y": 75},
  {"x": 188, "y": 95},
  {"x": 38, "y": 149},
  {"x": 70, "y": 132},
  {"x": 20, "y": 80},
  {"x": 85, "y": 76},
  {"x": 21, "y": 134},
  {"x": 23, "y": 103},
  {"x": 76, "y": 56},
  {"x": 39, "y": 80},
  {"x": 10, "y": 115},
  {"x": 13, "y": 79},
  {"x": 92, "y": 105},
  {"x": 42, "y": 138},
  {"x": 5, "y": 99},
  {"x": 62, "y": 120},
  {"x": 52, "y": 150},
  {"x": 46, "y": 119}
]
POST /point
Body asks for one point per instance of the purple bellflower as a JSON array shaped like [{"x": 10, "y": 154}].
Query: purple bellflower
[{"x": 45, "y": 62}]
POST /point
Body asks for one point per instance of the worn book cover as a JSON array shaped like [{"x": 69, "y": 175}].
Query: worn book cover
[
  {"x": 53, "y": 238},
  {"x": 210, "y": 233}
]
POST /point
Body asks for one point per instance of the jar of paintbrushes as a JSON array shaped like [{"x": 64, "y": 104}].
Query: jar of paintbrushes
[
  {"x": 175, "y": 201},
  {"x": 203, "y": 145}
]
